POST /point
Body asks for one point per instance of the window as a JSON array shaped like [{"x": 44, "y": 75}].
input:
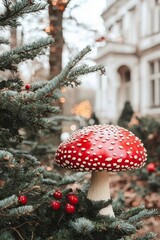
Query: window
[
  {"x": 127, "y": 85},
  {"x": 156, "y": 16},
  {"x": 155, "y": 83},
  {"x": 125, "y": 88}
]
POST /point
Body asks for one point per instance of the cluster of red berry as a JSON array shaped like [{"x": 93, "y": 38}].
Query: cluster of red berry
[
  {"x": 69, "y": 207},
  {"x": 56, "y": 204}
]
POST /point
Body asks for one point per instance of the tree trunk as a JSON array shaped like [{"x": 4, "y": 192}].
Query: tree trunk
[
  {"x": 13, "y": 37},
  {"x": 55, "y": 29}
]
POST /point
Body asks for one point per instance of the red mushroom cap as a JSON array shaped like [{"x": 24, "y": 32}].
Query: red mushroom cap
[{"x": 101, "y": 147}]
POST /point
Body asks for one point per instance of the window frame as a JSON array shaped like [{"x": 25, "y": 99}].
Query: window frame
[{"x": 154, "y": 77}]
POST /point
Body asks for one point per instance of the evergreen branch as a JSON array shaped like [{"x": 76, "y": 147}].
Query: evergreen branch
[
  {"x": 142, "y": 215},
  {"x": 23, "y": 110},
  {"x": 21, "y": 211},
  {"x": 10, "y": 59},
  {"x": 57, "y": 82},
  {"x": 29, "y": 158},
  {"x": 8, "y": 202},
  {"x": 82, "y": 226},
  {"x": 83, "y": 70},
  {"x": 60, "y": 80},
  {"x": 131, "y": 212},
  {"x": 123, "y": 227},
  {"x": 147, "y": 236},
  {"x": 67, "y": 180},
  {"x": 4, "y": 155},
  {"x": 48, "y": 181},
  {"x": 18, "y": 9},
  {"x": 6, "y": 235},
  {"x": 3, "y": 40},
  {"x": 12, "y": 84}
]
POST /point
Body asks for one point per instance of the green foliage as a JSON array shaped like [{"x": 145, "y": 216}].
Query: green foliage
[
  {"x": 22, "y": 174},
  {"x": 39, "y": 220},
  {"x": 147, "y": 236},
  {"x": 15, "y": 10},
  {"x": 148, "y": 130},
  {"x": 7, "y": 235},
  {"x": 10, "y": 59}
]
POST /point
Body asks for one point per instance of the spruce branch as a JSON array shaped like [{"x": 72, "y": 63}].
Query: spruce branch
[
  {"x": 23, "y": 110},
  {"x": 123, "y": 227},
  {"x": 49, "y": 181},
  {"x": 83, "y": 70},
  {"x": 143, "y": 215},
  {"x": 21, "y": 211},
  {"x": 18, "y": 9},
  {"x": 131, "y": 212},
  {"x": 10, "y": 59},
  {"x": 60, "y": 80},
  {"x": 147, "y": 236},
  {"x": 6, "y": 235},
  {"x": 5, "y": 155},
  {"x": 12, "y": 84},
  {"x": 8, "y": 202},
  {"x": 3, "y": 40},
  {"x": 57, "y": 82},
  {"x": 82, "y": 226}
]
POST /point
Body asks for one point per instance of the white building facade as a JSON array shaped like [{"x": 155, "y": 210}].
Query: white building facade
[{"x": 131, "y": 55}]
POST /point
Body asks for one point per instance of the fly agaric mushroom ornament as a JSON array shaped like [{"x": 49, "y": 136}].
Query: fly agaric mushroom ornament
[{"x": 101, "y": 149}]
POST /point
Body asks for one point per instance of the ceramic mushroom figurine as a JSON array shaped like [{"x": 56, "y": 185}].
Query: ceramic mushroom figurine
[{"x": 101, "y": 149}]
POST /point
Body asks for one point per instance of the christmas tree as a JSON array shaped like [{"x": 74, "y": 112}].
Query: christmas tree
[{"x": 36, "y": 203}]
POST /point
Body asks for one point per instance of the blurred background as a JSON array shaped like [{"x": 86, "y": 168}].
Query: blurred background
[{"x": 125, "y": 38}]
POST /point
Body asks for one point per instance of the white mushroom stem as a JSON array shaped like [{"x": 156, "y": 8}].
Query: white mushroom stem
[{"x": 99, "y": 190}]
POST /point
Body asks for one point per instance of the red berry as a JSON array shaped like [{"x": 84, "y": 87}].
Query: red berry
[
  {"x": 55, "y": 205},
  {"x": 28, "y": 86},
  {"x": 73, "y": 199},
  {"x": 22, "y": 199},
  {"x": 57, "y": 194},
  {"x": 70, "y": 208},
  {"x": 151, "y": 167}
]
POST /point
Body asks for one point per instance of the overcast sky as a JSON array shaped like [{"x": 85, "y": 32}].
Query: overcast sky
[{"x": 90, "y": 12}]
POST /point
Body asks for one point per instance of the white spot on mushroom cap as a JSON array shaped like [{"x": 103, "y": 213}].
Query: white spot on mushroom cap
[
  {"x": 111, "y": 148},
  {"x": 119, "y": 160},
  {"x": 79, "y": 144},
  {"x": 99, "y": 146},
  {"x": 67, "y": 162},
  {"x": 108, "y": 159}
]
